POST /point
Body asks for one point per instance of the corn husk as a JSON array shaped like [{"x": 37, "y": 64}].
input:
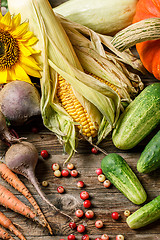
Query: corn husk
[{"x": 58, "y": 56}]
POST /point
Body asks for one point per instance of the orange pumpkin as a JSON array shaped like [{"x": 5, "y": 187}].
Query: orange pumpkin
[{"x": 149, "y": 51}]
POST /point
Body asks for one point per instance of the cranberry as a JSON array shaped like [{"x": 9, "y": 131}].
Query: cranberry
[
  {"x": 61, "y": 239},
  {"x": 57, "y": 173},
  {"x": 72, "y": 225},
  {"x": 94, "y": 150},
  {"x": 99, "y": 224},
  {"x": 101, "y": 178},
  {"x": 89, "y": 214},
  {"x": 81, "y": 228},
  {"x": 99, "y": 171},
  {"x": 60, "y": 189},
  {"x": 65, "y": 173},
  {"x": 87, "y": 204},
  {"x": 98, "y": 239},
  {"x": 44, "y": 183},
  {"x": 74, "y": 173},
  {"x": 115, "y": 215},
  {"x": 44, "y": 154},
  {"x": 84, "y": 195},
  {"x": 80, "y": 184},
  {"x": 119, "y": 237},
  {"x": 126, "y": 213},
  {"x": 107, "y": 183},
  {"x": 71, "y": 237},
  {"x": 70, "y": 166},
  {"x": 85, "y": 237},
  {"x": 105, "y": 237},
  {"x": 79, "y": 213},
  {"x": 55, "y": 166}
]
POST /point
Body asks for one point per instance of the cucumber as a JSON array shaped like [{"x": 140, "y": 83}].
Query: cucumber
[
  {"x": 150, "y": 157},
  {"x": 122, "y": 177},
  {"x": 147, "y": 214},
  {"x": 140, "y": 117}
]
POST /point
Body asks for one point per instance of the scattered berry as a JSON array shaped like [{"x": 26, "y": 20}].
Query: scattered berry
[
  {"x": 74, "y": 173},
  {"x": 105, "y": 237},
  {"x": 126, "y": 213},
  {"x": 99, "y": 224},
  {"x": 79, "y": 213},
  {"x": 87, "y": 203},
  {"x": 44, "y": 183},
  {"x": 98, "y": 239},
  {"x": 55, "y": 166},
  {"x": 70, "y": 166},
  {"x": 85, "y": 237},
  {"x": 99, "y": 171},
  {"x": 61, "y": 239},
  {"x": 89, "y": 214},
  {"x": 115, "y": 215},
  {"x": 107, "y": 183},
  {"x": 81, "y": 228},
  {"x": 80, "y": 184},
  {"x": 65, "y": 173},
  {"x": 72, "y": 225},
  {"x": 60, "y": 189},
  {"x": 34, "y": 130},
  {"x": 119, "y": 237},
  {"x": 84, "y": 195},
  {"x": 101, "y": 178},
  {"x": 94, "y": 150},
  {"x": 44, "y": 154},
  {"x": 57, "y": 173},
  {"x": 71, "y": 237}
]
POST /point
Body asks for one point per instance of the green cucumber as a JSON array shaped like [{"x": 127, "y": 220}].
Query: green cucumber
[
  {"x": 147, "y": 214},
  {"x": 140, "y": 117},
  {"x": 150, "y": 157},
  {"x": 123, "y": 178}
]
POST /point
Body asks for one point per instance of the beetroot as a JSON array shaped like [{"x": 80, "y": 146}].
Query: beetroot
[{"x": 19, "y": 101}]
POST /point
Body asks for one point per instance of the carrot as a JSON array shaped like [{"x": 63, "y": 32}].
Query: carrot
[
  {"x": 5, "y": 235},
  {"x": 7, "y": 223},
  {"x": 8, "y": 200},
  {"x": 15, "y": 182}
]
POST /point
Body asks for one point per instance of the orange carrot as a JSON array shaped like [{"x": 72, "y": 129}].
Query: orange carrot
[
  {"x": 15, "y": 182},
  {"x": 5, "y": 235},
  {"x": 8, "y": 200},
  {"x": 7, "y": 223}
]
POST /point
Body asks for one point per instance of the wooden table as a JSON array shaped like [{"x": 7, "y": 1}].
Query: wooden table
[{"x": 104, "y": 201}]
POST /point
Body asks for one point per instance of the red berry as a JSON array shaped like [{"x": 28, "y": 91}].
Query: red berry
[
  {"x": 79, "y": 213},
  {"x": 94, "y": 150},
  {"x": 44, "y": 154},
  {"x": 84, "y": 195},
  {"x": 61, "y": 239},
  {"x": 57, "y": 173},
  {"x": 71, "y": 237},
  {"x": 55, "y": 166},
  {"x": 85, "y": 237},
  {"x": 72, "y": 225},
  {"x": 70, "y": 166},
  {"x": 105, "y": 237},
  {"x": 99, "y": 171},
  {"x": 98, "y": 239},
  {"x": 81, "y": 228},
  {"x": 60, "y": 189},
  {"x": 107, "y": 183},
  {"x": 119, "y": 237},
  {"x": 99, "y": 224},
  {"x": 87, "y": 204},
  {"x": 80, "y": 184},
  {"x": 115, "y": 215},
  {"x": 74, "y": 173},
  {"x": 65, "y": 173},
  {"x": 89, "y": 214}
]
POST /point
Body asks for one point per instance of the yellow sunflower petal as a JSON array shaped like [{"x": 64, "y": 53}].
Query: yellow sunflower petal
[
  {"x": 30, "y": 62},
  {"x": 3, "y": 76},
  {"x": 16, "y": 20},
  {"x": 21, "y": 74},
  {"x": 11, "y": 75},
  {"x": 26, "y": 36},
  {"x": 20, "y": 30},
  {"x": 30, "y": 71},
  {"x": 31, "y": 41},
  {"x": 26, "y": 51},
  {"x": 6, "y": 20},
  {"x": 33, "y": 51}
]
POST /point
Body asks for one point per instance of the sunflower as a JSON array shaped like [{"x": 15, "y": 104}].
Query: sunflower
[{"x": 16, "y": 53}]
